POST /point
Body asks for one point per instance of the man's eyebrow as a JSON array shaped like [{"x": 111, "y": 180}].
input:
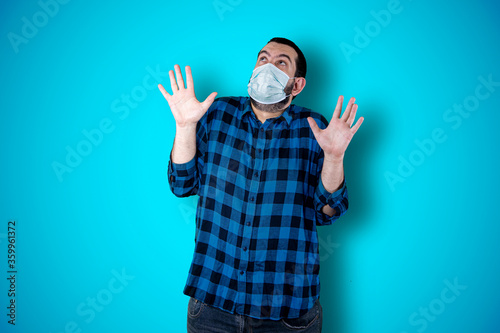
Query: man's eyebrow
[
  {"x": 281, "y": 55},
  {"x": 286, "y": 56},
  {"x": 263, "y": 51}
]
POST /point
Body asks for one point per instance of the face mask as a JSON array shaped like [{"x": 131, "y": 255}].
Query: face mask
[{"x": 267, "y": 84}]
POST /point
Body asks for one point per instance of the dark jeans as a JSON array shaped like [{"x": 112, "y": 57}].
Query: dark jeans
[{"x": 206, "y": 319}]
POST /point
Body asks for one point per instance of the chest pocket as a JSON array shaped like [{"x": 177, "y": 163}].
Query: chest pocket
[{"x": 226, "y": 165}]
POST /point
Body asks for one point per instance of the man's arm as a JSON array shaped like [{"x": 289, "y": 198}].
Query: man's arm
[
  {"x": 184, "y": 148},
  {"x": 187, "y": 112},
  {"x": 332, "y": 176},
  {"x": 334, "y": 141}
]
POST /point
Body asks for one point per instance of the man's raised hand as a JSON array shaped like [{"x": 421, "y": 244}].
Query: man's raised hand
[
  {"x": 336, "y": 137},
  {"x": 186, "y": 109}
]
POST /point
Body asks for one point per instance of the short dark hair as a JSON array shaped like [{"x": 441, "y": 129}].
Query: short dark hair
[{"x": 300, "y": 61}]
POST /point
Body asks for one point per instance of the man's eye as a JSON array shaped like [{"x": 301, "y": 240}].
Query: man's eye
[
  {"x": 282, "y": 63},
  {"x": 262, "y": 58}
]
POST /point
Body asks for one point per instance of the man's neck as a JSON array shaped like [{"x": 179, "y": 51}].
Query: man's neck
[{"x": 263, "y": 115}]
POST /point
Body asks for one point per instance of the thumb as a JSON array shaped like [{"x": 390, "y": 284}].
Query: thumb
[
  {"x": 314, "y": 127},
  {"x": 164, "y": 92},
  {"x": 208, "y": 101}
]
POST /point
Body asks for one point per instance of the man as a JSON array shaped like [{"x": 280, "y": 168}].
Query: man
[{"x": 266, "y": 173}]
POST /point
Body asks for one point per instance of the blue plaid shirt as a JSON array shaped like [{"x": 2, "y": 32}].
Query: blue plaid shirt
[{"x": 260, "y": 199}]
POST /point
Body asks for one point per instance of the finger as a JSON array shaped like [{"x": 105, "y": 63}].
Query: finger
[
  {"x": 164, "y": 92},
  {"x": 178, "y": 75},
  {"x": 352, "y": 115},
  {"x": 348, "y": 109},
  {"x": 314, "y": 127},
  {"x": 208, "y": 101},
  {"x": 189, "y": 78},
  {"x": 355, "y": 128},
  {"x": 338, "y": 108},
  {"x": 173, "y": 84}
]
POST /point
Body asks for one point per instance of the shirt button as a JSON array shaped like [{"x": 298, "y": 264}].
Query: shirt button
[
  {"x": 262, "y": 130},
  {"x": 260, "y": 150},
  {"x": 256, "y": 174},
  {"x": 248, "y": 223},
  {"x": 245, "y": 248},
  {"x": 241, "y": 272},
  {"x": 252, "y": 198}
]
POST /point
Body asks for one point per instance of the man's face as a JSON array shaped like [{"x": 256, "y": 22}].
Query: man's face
[
  {"x": 280, "y": 55},
  {"x": 284, "y": 58}
]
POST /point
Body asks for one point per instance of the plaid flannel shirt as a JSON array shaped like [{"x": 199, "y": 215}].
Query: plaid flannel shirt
[{"x": 260, "y": 199}]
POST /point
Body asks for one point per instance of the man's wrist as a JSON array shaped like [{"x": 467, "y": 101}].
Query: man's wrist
[
  {"x": 332, "y": 174},
  {"x": 185, "y": 134},
  {"x": 333, "y": 159},
  {"x": 188, "y": 127}
]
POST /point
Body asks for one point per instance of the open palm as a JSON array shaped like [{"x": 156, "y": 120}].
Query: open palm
[
  {"x": 335, "y": 138},
  {"x": 186, "y": 109}
]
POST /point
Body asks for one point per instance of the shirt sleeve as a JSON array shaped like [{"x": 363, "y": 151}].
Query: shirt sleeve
[
  {"x": 338, "y": 200},
  {"x": 182, "y": 178}
]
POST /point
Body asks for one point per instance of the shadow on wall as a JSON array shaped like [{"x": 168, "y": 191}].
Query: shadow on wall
[{"x": 320, "y": 96}]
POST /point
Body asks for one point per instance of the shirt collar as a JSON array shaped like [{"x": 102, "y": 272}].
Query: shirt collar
[{"x": 287, "y": 114}]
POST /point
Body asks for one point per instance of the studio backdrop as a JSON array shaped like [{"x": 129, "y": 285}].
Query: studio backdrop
[{"x": 91, "y": 237}]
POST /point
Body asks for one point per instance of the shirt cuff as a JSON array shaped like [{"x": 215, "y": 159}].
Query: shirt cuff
[
  {"x": 337, "y": 196},
  {"x": 181, "y": 170},
  {"x": 327, "y": 198}
]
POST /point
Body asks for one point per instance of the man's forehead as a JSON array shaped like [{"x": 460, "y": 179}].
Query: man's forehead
[{"x": 278, "y": 48}]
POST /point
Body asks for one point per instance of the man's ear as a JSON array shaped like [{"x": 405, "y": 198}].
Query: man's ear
[{"x": 300, "y": 83}]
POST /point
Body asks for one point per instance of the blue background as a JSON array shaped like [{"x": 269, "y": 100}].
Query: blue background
[{"x": 385, "y": 261}]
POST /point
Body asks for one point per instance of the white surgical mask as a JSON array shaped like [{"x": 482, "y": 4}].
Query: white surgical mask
[{"x": 267, "y": 84}]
